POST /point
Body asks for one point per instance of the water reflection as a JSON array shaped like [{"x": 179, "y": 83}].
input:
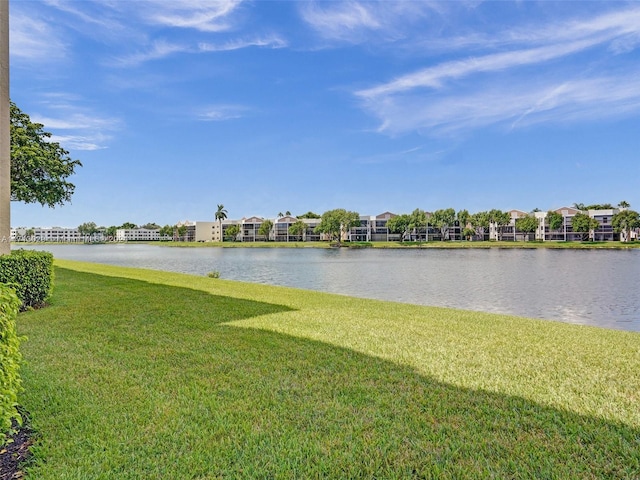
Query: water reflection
[{"x": 585, "y": 287}]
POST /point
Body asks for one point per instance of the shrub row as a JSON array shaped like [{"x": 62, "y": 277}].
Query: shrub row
[
  {"x": 10, "y": 356},
  {"x": 30, "y": 273}
]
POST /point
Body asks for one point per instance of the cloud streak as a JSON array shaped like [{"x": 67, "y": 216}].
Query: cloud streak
[
  {"x": 160, "y": 49},
  {"x": 202, "y": 15},
  {"x": 523, "y": 85},
  {"x": 410, "y": 156},
  {"x": 73, "y": 128},
  {"x": 355, "y": 22},
  {"x": 272, "y": 41},
  {"x": 34, "y": 40},
  {"x": 218, "y": 113},
  {"x": 436, "y": 77},
  {"x": 84, "y": 143},
  {"x": 168, "y": 28},
  {"x": 342, "y": 20},
  {"x": 509, "y": 107},
  {"x": 157, "y": 50}
]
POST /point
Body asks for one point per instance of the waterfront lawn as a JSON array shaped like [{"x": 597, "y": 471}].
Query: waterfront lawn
[{"x": 135, "y": 374}]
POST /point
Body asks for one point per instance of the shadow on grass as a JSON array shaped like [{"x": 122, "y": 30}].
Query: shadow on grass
[{"x": 127, "y": 379}]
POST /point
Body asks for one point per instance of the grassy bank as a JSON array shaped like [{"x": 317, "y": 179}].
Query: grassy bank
[{"x": 137, "y": 374}]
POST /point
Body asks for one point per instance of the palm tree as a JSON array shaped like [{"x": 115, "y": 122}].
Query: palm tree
[
  {"x": 221, "y": 213},
  {"x": 624, "y": 204}
]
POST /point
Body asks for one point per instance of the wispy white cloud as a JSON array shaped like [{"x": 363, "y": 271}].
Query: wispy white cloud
[
  {"x": 510, "y": 106},
  {"x": 102, "y": 17},
  {"x": 435, "y": 77},
  {"x": 75, "y": 121},
  {"x": 273, "y": 41},
  {"x": 141, "y": 31},
  {"x": 502, "y": 88},
  {"x": 160, "y": 49},
  {"x": 340, "y": 20},
  {"x": 620, "y": 27},
  {"x": 579, "y": 100},
  {"x": 355, "y": 21},
  {"x": 410, "y": 156},
  {"x": 202, "y": 15},
  {"x": 217, "y": 113},
  {"x": 73, "y": 126},
  {"x": 35, "y": 39},
  {"x": 78, "y": 142},
  {"x": 614, "y": 25}
]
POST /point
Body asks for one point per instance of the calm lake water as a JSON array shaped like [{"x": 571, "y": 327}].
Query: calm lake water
[{"x": 588, "y": 287}]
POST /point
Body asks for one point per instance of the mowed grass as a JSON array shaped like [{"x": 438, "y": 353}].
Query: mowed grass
[{"x": 135, "y": 374}]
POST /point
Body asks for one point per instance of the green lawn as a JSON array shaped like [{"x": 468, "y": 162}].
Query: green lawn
[{"x": 135, "y": 374}]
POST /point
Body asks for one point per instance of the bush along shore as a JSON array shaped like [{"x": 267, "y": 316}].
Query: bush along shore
[{"x": 135, "y": 374}]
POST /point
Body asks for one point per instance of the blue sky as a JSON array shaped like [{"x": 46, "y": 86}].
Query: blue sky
[{"x": 265, "y": 106}]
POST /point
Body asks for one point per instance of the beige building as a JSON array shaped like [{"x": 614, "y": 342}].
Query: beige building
[
  {"x": 137, "y": 235},
  {"x": 371, "y": 228},
  {"x": 52, "y": 234},
  {"x": 565, "y": 233},
  {"x": 507, "y": 232}
]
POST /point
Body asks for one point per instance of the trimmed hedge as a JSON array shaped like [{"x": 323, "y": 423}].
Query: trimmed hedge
[
  {"x": 30, "y": 273},
  {"x": 10, "y": 357}
]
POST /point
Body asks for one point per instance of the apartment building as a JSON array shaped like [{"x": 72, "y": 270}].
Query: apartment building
[
  {"x": 52, "y": 234},
  {"x": 203, "y": 231},
  {"x": 605, "y": 231},
  {"x": 371, "y": 228},
  {"x": 137, "y": 235},
  {"x": 565, "y": 233},
  {"x": 249, "y": 228},
  {"x": 281, "y": 230},
  {"x": 508, "y": 232}
]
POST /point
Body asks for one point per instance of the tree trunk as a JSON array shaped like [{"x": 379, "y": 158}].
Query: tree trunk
[{"x": 5, "y": 133}]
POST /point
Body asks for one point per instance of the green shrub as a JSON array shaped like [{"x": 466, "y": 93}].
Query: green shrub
[
  {"x": 10, "y": 382},
  {"x": 214, "y": 274},
  {"x": 30, "y": 273}
]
